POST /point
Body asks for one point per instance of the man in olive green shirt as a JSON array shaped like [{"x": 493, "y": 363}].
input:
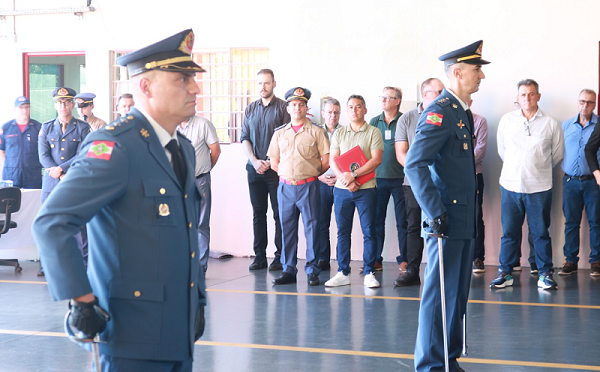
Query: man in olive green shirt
[{"x": 349, "y": 195}]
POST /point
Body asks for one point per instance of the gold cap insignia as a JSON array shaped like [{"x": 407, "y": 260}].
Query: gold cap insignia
[
  {"x": 187, "y": 44},
  {"x": 299, "y": 92},
  {"x": 63, "y": 92}
]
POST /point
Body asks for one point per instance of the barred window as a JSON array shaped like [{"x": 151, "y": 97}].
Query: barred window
[{"x": 227, "y": 87}]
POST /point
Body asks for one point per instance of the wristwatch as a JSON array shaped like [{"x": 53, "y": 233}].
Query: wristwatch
[{"x": 353, "y": 173}]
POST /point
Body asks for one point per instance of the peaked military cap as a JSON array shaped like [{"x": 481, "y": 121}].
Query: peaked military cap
[
  {"x": 471, "y": 54},
  {"x": 84, "y": 99},
  {"x": 21, "y": 101},
  {"x": 171, "y": 54},
  {"x": 297, "y": 93},
  {"x": 63, "y": 92}
]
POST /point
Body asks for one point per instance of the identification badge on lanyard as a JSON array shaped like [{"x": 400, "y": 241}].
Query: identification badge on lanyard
[{"x": 388, "y": 134}]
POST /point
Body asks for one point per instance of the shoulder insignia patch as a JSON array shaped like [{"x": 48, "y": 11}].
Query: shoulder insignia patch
[
  {"x": 443, "y": 101},
  {"x": 435, "y": 119},
  {"x": 101, "y": 150}
]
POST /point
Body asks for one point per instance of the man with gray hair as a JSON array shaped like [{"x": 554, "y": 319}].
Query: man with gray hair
[
  {"x": 390, "y": 175},
  {"x": 405, "y": 135},
  {"x": 330, "y": 111},
  {"x": 530, "y": 143}
]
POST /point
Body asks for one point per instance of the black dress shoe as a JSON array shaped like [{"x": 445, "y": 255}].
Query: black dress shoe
[
  {"x": 258, "y": 264},
  {"x": 324, "y": 265},
  {"x": 410, "y": 277},
  {"x": 276, "y": 264},
  {"x": 313, "y": 279},
  {"x": 285, "y": 278},
  {"x": 41, "y": 272}
]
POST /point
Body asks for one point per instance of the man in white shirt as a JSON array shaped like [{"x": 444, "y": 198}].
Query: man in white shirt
[{"x": 530, "y": 143}]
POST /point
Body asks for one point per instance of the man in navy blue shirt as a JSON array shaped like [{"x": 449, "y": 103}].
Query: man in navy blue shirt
[
  {"x": 579, "y": 187},
  {"x": 19, "y": 148}
]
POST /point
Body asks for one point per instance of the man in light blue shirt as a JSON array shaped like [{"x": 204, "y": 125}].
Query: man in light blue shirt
[{"x": 579, "y": 186}]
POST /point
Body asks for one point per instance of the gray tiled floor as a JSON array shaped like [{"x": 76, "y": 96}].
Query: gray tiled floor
[{"x": 253, "y": 326}]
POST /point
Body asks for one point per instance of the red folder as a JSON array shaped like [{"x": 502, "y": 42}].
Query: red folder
[{"x": 353, "y": 159}]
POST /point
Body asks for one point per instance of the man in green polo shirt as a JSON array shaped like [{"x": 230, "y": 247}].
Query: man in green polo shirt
[
  {"x": 390, "y": 176},
  {"x": 349, "y": 195}
]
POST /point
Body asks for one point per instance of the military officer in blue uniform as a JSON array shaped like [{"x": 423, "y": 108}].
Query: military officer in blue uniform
[
  {"x": 441, "y": 169},
  {"x": 133, "y": 184},
  {"x": 19, "y": 148},
  {"x": 59, "y": 140}
]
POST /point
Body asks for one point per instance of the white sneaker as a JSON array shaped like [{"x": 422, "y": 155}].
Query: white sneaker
[
  {"x": 338, "y": 280},
  {"x": 370, "y": 281}
]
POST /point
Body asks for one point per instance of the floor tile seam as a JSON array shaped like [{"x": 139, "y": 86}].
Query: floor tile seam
[
  {"x": 397, "y": 355},
  {"x": 484, "y": 302}
]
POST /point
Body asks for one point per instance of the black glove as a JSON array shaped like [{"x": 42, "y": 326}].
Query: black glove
[
  {"x": 199, "y": 323},
  {"x": 438, "y": 226},
  {"x": 88, "y": 317}
]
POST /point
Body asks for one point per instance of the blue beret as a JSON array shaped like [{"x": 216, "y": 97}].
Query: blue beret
[
  {"x": 471, "y": 54},
  {"x": 21, "y": 101},
  {"x": 84, "y": 99},
  {"x": 297, "y": 93},
  {"x": 171, "y": 54},
  {"x": 63, "y": 92}
]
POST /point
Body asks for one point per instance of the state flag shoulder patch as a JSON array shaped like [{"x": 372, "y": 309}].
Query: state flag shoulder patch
[
  {"x": 101, "y": 150},
  {"x": 435, "y": 119}
]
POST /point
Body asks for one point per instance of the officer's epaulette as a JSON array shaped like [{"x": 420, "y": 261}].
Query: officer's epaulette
[
  {"x": 316, "y": 125},
  {"x": 443, "y": 101},
  {"x": 122, "y": 124},
  {"x": 281, "y": 126},
  {"x": 49, "y": 122}
]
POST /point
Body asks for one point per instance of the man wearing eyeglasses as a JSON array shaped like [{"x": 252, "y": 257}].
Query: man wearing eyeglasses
[
  {"x": 58, "y": 143},
  {"x": 390, "y": 175},
  {"x": 530, "y": 143},
  {"x": 580, "y": 189},
  {"x": 405, "y": 135},
  {"x": 330, "y": 111}
]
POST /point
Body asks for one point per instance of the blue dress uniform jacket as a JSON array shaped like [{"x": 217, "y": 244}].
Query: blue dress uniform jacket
[
  {"x": 441, "y": 169},
  {"x": 22, "y": 163},
  {"x": 58, "y": 149},
  {"x": 143, "y": 263}
]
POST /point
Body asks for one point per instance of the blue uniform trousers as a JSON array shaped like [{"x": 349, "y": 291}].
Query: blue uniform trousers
[
  {"x": 344, "y": 204},
  {"x": 293, "y": 201},
  {"x": 387, "y": 187},
  {"x": 325, "y": 208},
  {"x": 514, "y": 206},
  {"x": 429, "y": 348},
  {"x": 203, "y": 186},
  {"x": 578, "y": 194},
  {"x": 114, "y": 364}
]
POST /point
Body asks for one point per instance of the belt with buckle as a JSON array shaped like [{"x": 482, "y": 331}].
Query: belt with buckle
[
  {"x": 301, "y": 182},
  {"x": 580, "y": 178}
]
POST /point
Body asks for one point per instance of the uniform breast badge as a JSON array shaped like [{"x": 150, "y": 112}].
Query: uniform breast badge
[
  {"x": 460, "y": 125},
  {"x": 465, "y": 146},
  {"x": 163, "y": 210}
]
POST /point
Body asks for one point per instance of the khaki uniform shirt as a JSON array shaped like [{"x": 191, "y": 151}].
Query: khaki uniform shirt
[
  {"x": 96, "y": 123},
  {"x": 299, "y": 153}
]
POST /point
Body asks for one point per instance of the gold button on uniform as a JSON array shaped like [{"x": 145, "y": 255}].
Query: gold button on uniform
[
  {"x": 185, "y": 196},
  {"x": 63, "y": 140},
  {"x": 162, "y": 191},
  {"x": 137, "y": 293},
  {"x": 62, "y": 149},
  {"x": 190, "y": 225},
  {"x": 193, "y": 254},
  {"x": 192, "y": 284},
  {"x": 62, "y": 158},
  {"x": 454, "y": 201}
]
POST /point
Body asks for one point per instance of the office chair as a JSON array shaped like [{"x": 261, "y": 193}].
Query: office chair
[{"x": 10, "y": 201}]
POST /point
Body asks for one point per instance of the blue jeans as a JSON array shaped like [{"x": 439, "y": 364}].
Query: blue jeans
[
  {"x": 577, "y": 195},
  {"x": 344, "y": 204},
  {"x": 514, "y": 206},
  {"x": 324, "y": 244},
  {"x": 203, "y": 186},
  {"x": 387, "y": 187}
]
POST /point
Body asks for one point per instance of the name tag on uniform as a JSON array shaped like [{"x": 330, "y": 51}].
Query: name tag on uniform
[{"x": 388, "y": 134}]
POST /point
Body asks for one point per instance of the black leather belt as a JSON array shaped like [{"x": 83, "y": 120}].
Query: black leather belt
[{"x": 580, "y": 178}]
